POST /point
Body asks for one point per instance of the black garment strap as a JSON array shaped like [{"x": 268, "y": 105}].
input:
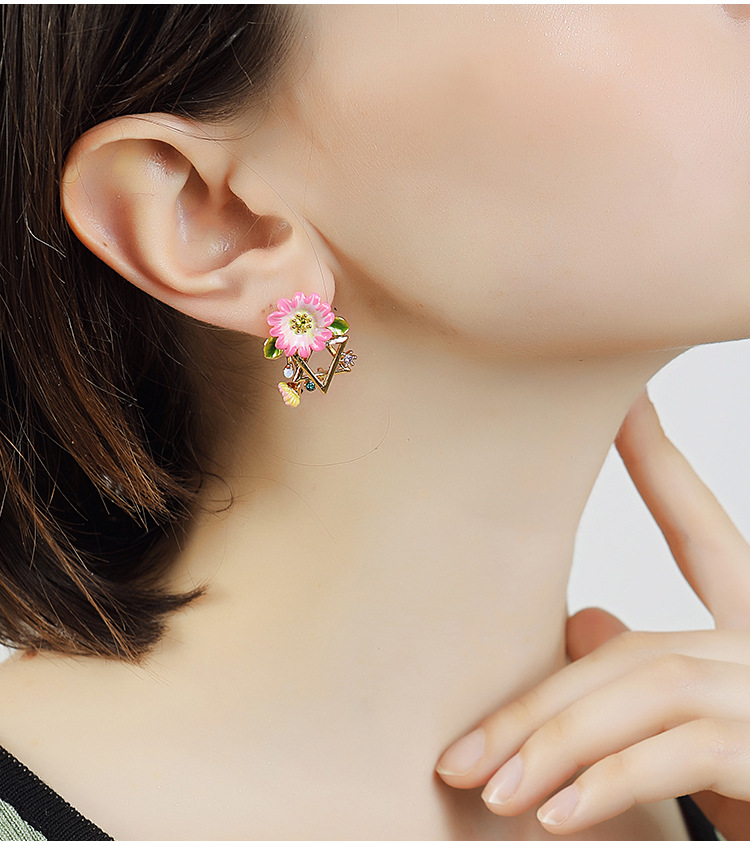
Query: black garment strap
[
  {"x": 698, "y": 825},
  {"x": 42, "y": 808}
]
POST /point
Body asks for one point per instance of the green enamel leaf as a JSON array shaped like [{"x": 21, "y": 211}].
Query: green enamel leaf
[
  {"x": 339, "y": 326},
  {"x": 270, "y": 351}
]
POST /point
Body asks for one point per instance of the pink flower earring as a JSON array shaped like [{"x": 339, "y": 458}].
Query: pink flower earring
[{"x": 300, "y": 327}]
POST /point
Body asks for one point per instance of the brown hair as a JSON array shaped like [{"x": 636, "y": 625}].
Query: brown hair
[{"x": 98, "y": 441}]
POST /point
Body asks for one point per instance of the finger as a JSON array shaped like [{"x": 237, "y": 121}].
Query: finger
[
  {"x": 703, "y": 754},
  {"x": 659, "y": 696},
  {"x": 473, "y": 759},
  {"x": 589, "y": 629},
  {"x": 710, "y": 551}
]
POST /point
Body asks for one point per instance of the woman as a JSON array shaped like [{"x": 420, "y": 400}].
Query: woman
[{"x": 517, "y": 211}]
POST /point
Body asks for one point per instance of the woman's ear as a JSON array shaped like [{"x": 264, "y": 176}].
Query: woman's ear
[{"x": 152, "y": 197}]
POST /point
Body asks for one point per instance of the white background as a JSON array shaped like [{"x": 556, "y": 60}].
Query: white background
[{"x": 622, "y": 562}]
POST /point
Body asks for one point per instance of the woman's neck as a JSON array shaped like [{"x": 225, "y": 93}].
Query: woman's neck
[
  {"x": 392, "y": 567},
  {"x": 406, "y": 537}
]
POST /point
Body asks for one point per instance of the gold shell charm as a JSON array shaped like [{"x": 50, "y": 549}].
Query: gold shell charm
[{"x": 289, "y": 395}]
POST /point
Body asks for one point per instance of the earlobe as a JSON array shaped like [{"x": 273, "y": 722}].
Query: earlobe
[{"x": 151, "y": 197}]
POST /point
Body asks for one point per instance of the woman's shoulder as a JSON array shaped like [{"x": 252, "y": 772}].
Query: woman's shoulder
[
  {"x": 31, "y": 811},
  {"x": 63, "y": 763},
  {"x": 33, "y": 706},
  {"x": 140, "y": 751}
]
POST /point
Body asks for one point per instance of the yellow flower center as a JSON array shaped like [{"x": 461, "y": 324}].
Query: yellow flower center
[{"x": 301, "y": 322}]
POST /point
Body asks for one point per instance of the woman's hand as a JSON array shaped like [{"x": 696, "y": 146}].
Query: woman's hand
[{"x": 650, "y": 716}]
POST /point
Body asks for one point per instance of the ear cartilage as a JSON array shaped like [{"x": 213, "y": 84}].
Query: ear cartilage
[{"x": 301, "y": 326}]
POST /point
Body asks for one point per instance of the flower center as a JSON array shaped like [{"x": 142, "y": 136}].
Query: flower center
[{"x": 301, "y": 322}]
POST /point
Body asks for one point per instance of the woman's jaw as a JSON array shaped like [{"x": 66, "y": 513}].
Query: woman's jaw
[{"x": 557, "y": 180}]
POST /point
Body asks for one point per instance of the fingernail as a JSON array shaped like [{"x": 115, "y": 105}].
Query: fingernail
[
  {"x": 503, "y": 785},
  {"x": 463, "y": 755},
  {"x": 557, "y": 810}
]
